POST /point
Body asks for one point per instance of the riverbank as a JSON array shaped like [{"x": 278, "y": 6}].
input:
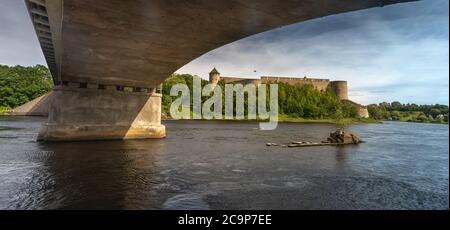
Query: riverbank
[
  {"x": 420, "y": 122},
  {"x": 289, "y": 119},
  {"x": 4, "y": 110},
  {"x": 285, "y": 118}
]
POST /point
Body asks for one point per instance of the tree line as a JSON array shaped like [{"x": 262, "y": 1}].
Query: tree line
[
  {"x": 297, "y": 101},
  {"x": 409, "y": 112},
  {"x": 19, "y": 84}
]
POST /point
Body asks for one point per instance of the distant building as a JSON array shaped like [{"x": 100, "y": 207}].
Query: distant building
[
  {"x": 214, "y": 77},
  {"x": 340, "y": 88}
]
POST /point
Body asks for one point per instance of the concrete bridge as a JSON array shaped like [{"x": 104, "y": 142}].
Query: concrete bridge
[{"x": 107, "y": 57}]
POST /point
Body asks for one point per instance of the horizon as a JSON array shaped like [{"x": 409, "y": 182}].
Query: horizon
[{"x": 391, "y": 53}]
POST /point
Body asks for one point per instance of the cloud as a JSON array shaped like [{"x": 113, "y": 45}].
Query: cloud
[
  {"x": 19, "y": 44},
  {"x": 399, "y": 51}
]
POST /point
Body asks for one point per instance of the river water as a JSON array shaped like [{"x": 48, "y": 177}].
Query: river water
[{"x": 226, "y": 165}]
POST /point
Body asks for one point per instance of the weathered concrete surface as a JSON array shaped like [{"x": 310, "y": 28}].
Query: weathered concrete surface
[
  {"x": 138, "y": 43},
  {"x": 141, "y": 42},
  {"x": 37, "y": 107},
  {"x": 91, "y": 114}
]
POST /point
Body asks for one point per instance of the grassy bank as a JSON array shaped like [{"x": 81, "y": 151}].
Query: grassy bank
[
  {"x": 285, "y": 118},
  {"x": 3, "y": 110}
]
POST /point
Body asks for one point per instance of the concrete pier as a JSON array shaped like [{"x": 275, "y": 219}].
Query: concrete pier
[{"x": 93, "y": 114}]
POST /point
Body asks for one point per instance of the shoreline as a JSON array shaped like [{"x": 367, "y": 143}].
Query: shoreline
[
  {"x": 418, "y": 122},
  {"x": 285, "y": 119},
  {"x": 291, "y": 120}
]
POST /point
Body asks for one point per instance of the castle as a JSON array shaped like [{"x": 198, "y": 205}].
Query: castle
[{"x": 340, "y": 88}]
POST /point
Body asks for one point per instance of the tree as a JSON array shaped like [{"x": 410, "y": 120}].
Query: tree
[{"x": 19, "y": 84}]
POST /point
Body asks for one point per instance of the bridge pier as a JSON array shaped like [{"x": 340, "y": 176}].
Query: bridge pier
[{"x": 81, "y": 111}]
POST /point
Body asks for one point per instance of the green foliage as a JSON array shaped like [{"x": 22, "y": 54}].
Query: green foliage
[
  {"x": 4, "y": 109},
  {"x": 350, "y": 109},
  {"x": 178, "y": 79},
  {"x": 299, "y": 101},
  {"x": 307, "y": 102},
  {"x": 409, "y": 112},
  {"x": 19, "y": 84}
]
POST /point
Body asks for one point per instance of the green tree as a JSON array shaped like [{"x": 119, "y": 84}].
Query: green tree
[{"x": 19, "y": 84}]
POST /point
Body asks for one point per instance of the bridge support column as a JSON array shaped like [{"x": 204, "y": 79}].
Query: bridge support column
[{"x": 102, "y": 113}]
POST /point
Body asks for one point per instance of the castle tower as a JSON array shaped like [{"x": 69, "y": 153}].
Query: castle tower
[
  {"x": 340, "y": 89},
  {"x": 214, "y": 77}
]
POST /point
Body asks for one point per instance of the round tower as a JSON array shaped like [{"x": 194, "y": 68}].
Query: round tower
[
  {"x": 340, "y": 89},
  {"x": 214, "y": 77}
]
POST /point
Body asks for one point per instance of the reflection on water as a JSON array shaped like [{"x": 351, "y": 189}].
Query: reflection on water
[{"x": 226, "y": 165}]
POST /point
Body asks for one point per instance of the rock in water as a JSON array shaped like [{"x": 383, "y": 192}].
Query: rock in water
[{"x": 341, "y": 137}]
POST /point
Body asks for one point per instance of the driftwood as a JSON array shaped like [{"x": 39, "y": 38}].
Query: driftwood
[
  {"x": 319, "y": 144},
  {"x": 336, "y": 138},
  {"x": 309, "y": 144}
]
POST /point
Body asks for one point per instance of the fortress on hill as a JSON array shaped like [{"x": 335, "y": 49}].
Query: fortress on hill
[{"x": 340, "y": 88}]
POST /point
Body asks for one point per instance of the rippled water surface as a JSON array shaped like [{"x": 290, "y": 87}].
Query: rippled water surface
[{"x": 226, "y": 165}]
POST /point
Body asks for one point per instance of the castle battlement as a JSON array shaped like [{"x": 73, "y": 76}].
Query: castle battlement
[
  {"x": 340, "y": 88},
  {"x": 299, "y": 79}
]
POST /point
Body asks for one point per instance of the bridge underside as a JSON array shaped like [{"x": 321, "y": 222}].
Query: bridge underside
[
  {"x": 87, "y": 114},
  {"x": 93, "y": 45}
]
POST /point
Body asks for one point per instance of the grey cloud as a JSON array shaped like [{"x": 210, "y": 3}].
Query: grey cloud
[
  {"x": 19, "y": 45},
  {"x": 375, "y": 50},
  {"x": 398, "y": 52}
]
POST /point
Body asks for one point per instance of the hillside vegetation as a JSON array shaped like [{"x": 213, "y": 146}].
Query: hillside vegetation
[
  {"x": 19, "y": 84},
  {"x": 397, "y": 111},
  {"x": 300, "y": 102}
]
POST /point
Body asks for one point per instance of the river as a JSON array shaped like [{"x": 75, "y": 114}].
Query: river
[{"x": 226, "y": 165}]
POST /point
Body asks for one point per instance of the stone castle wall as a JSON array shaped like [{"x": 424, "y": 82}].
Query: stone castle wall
[
  {"x": 362, "y": 110},
  {"x": 319, "y": 84},
  {"x": 244, "y": 81},
  {"x": 214, "y": 78},
  {"x": 340, "y": 88}
]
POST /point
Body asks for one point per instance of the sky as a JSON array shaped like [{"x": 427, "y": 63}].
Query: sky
[{"x": 391, "y": 53}]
